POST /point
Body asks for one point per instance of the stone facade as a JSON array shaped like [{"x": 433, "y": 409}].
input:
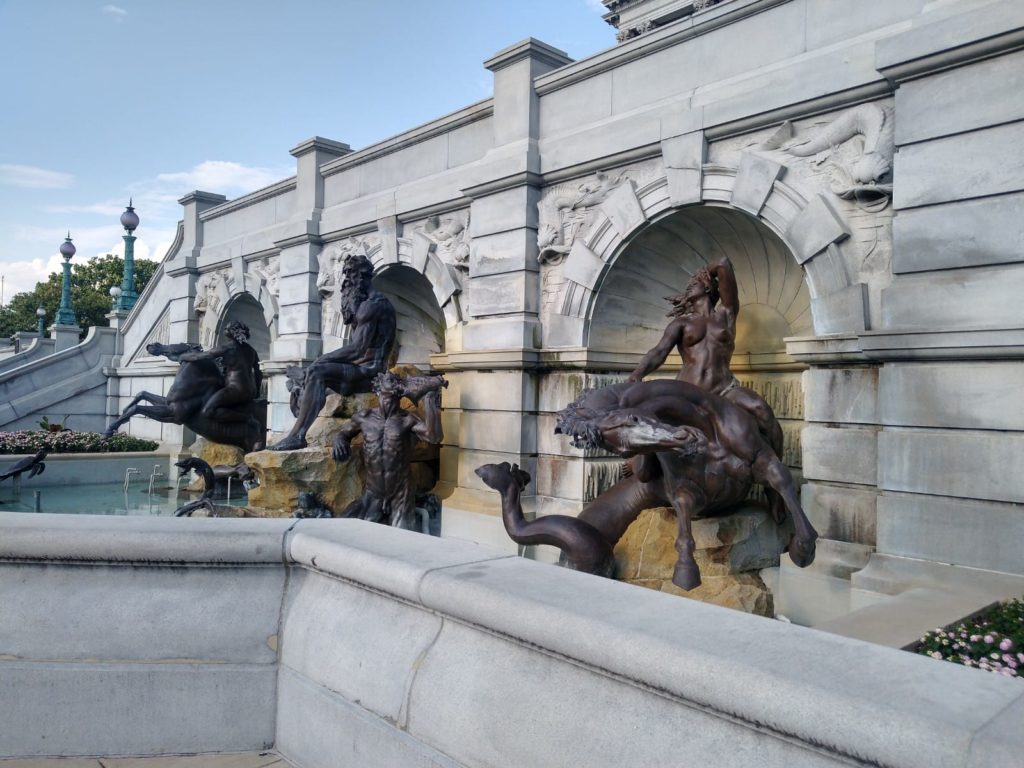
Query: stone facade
[{"x": 862, "y": 170}]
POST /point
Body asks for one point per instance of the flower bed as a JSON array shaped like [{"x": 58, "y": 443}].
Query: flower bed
[
  {"x": 30, "y": 441},
  {"x": 993, "y": 640}
]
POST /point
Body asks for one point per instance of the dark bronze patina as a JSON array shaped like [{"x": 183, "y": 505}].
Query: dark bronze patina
[
  {"x": 389, "y": 434},
  {"x": 312, "y": 505},
  {"x": 690, "y": 449},
  {"x": 703, "y": 330},
  {"x": 584, "y": 547},
  {"x": 33, "y": 465},
  {"x": 215, "y": 393},
  {"x": 205, "y": 501},
  {"x": 352, "y": 368}
]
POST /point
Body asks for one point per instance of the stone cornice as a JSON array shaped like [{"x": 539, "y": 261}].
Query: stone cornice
[
  {"x": 671, "y": 34},
  {"x": 897, "y": 346},
  {"x": 530, "y": 48},
  {"x": 273, "y": 190},
  {"x": 197, "y": 196},
  {"x": 481, "y": 110},
  {"x": 315, "y": 143},
  {"x": 525, "y": 178}
]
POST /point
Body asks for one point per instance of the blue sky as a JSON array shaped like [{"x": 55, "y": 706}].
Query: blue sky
[{"x": 153, "y": 98}]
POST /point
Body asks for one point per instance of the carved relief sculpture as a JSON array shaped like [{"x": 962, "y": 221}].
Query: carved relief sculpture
[
  {"x": 857, "y": 148},
  {"x": 563, "y": 213},
  {"x": 449, "y": 238}
]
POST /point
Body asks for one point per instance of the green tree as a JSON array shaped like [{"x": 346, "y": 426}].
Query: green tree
[{"x": 90, "y": 294}]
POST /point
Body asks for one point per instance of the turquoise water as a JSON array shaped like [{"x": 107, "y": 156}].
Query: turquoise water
[{"x": 105, "y": 499}]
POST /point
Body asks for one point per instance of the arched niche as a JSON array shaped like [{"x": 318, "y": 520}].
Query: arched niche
[
  {"x": 629, "y": 309},
  {"x": 243, "y": 307},
  {"x": 421, "y": 323}
]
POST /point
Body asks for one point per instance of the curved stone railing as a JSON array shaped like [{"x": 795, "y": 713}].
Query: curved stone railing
[
  {"x": 39, "y": 348},
  {"x": 48, "y": 385},
  {"x": 341, "y": 642}
]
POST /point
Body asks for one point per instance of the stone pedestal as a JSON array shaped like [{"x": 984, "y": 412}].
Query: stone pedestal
[
  {"x": 730, "y": 552},
  {"x": 64, "y": 336}
]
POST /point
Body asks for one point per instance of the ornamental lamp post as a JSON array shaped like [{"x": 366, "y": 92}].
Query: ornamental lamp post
[
  {"x": 128, "y": 297},
  {"x": 66, "y": 315},
  {"x": 115, "y": 295},
  {"x": 41, "y": 321}
]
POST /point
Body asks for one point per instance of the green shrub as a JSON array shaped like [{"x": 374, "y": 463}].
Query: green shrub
[
  {"x": 993, "y": 641},
  {"x": 27, "y": 442}
]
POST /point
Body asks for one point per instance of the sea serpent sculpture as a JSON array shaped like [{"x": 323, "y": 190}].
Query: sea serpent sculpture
[
  {"x": 688, "y": 449},
  {"x": 584, "y": 547}
]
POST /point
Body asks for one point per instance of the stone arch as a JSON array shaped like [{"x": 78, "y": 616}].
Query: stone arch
[
  {"x": 810, "y": 230},
  {"x": 417, "y": 255},
  {"x": 421, "y": 323},
  {"x": 629, "y": 304},
  {"x": 248, "y": 300},
  {"x": 244, "y": 307}
]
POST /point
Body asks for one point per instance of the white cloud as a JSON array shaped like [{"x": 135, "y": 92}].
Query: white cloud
[
  {"x": 31, "y": 177},
  {"x": 115, "y": 11},
  {"x": 222, "y": 176},
  {"x": 22, "y": 276}
]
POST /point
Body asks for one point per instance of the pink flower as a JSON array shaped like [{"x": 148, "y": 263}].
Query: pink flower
[
  {"x": 989, "y": 639},
  {"x": 1006, "y": 644}
]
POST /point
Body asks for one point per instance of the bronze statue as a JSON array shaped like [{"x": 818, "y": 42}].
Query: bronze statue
[
  {"x": 703, "y": 329},
  {"x": 214, "y": 393},
  {"x": 350, "y": 369},
  {"x": 690, "y": 449},
  {"x": 34, "y": 465},
  {"x": 583, "y": 546},
  {"x": 205, "y": 500},
  {"x": 312, "y": 505},
  {"x": 389, "y": 434}
]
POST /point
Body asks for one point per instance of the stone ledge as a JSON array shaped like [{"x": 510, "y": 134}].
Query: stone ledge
[{"x": 157, "y": 540}]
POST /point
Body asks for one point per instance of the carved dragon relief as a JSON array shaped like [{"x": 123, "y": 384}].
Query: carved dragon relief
[
  {"x": 268, "y": 269},
  {"x": 449, "y": 238},
  {"x": 856, "y": 149},
  {"x": 564, "y": 211}
]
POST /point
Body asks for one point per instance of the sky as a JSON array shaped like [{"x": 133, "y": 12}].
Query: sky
[{"x": 150, "y": 99}]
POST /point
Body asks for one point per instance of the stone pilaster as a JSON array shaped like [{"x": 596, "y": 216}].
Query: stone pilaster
[
  {"x": 299, "y": 338},
  {"x": 497, "y": 408},
  {"x": 183, "y": 269}
]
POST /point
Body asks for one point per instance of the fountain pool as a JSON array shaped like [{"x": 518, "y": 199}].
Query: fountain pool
[{"x": 96, "y": 499}]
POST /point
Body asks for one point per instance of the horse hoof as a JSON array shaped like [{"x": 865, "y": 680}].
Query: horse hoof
[
  {"x": 288, "y": 444},
  {"x": 801, "y": 551},
  {"x": 686, "y": 575}
]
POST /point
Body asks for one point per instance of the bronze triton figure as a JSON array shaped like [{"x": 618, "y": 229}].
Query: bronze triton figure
[
  {"x": 350, "y": 369},
  {"x": 389, "y": 434}
]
